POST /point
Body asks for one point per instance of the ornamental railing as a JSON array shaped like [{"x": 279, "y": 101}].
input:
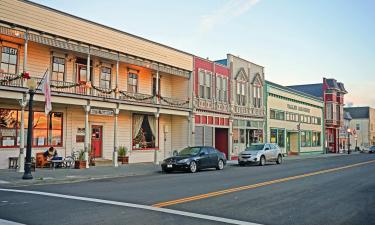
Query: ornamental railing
[
  {"x": 11, "y": 80},
  {"x": 174, "y": 102},
  {"x": 136, "y": 97}
]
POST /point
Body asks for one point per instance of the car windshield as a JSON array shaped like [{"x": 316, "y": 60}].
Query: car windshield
[
  {"x": 189, "y": 151},
  {"x": 255, "y": 147},
  {"x": 372, "y": 147}
]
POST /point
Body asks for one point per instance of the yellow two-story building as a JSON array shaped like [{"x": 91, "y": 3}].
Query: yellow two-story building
[{"x": 110, "y": 89}]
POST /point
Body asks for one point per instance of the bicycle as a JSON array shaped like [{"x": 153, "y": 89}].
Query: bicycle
[{"x": 70, "y": 160}]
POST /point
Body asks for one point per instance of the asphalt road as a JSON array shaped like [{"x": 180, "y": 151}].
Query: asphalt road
[{"x": 332, "y": 190}]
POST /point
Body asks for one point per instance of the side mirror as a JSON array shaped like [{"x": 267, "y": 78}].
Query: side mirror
[
  {"x": 267, "y": 149},
  {"x": 202, "y": 153},
  {"x": 175, "y": 153}
]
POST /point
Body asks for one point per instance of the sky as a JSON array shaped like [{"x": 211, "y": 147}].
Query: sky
[{"x": 297, "y": 41}]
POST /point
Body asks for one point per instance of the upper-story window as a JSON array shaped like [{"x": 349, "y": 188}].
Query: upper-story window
[
  {"x": 58, "y": 68},
  {"x": 357, "y": 126},
  {"x": 105, "y": 78},
  {"x": 132, "y": 82},
  {"x": 257, "y": 96},
  {"x": 241, "y": 93},
  {"x": 221, "y": 89},
  {"x": 329, "y": 112},
  {"x": 9, "y": 60},
  {"x": 205, "y": 80}
]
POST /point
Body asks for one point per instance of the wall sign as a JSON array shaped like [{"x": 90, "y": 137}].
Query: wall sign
[
  {"x": 101, "y": 112},
  {"x": 299, "y": 108}
]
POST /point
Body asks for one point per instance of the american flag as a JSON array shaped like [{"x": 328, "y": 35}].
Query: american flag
[{"x": 46, "y": 89}]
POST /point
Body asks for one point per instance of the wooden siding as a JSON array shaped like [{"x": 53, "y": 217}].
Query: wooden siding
[{"x": 57, "y": 23}]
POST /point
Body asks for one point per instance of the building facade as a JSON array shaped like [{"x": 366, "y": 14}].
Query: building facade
[
  {"x": 211, "y": 104},
  {"x": 363, "y": 125},
  {"x": 294, "y": 120},
  {"x": 246, "y": 103},
  {"x": 332, "y": 92},
  {"x": 109, "y": 88}
]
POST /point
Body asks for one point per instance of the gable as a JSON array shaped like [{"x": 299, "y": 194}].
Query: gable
[
  {"x": 241, "y": 75},
  {"x": 257, "y": 81}
]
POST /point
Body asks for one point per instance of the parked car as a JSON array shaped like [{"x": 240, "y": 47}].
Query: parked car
[
  {"x": 260, "y": 154},
  {"x": 370, "y": 149},
  {"x": 195, "y": 158}
]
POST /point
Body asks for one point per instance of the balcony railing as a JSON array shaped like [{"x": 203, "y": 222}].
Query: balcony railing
[{"x": 12, "y": 80}]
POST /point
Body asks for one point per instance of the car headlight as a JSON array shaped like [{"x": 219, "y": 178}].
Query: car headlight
[{"x": 183, "y": 160}]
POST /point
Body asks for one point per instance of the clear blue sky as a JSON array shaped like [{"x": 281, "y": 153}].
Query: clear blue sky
[{"x": 298, "y": 41}]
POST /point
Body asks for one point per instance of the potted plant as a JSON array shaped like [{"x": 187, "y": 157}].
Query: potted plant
[
  {"x": 122, "y": 150},
  {"x": 80, "y": 163}
]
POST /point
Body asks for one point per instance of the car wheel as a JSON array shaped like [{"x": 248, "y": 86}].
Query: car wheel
[
  {"x": 262, "y": 161},
  {"x": 193, "y": 167},
  {"x": 279, "y": 159},
  {"x": 220, "y": 165}
]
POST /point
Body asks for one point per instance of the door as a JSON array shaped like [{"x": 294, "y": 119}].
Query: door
[
  {"x": 96, "y": 140},
  {"x": 268, "y": 152},
  {"x": 214, "y": 158},
  {"x": 204, "y": 160},
  {"x": 287, "y": 142},
  {"x": 221, "y": 140}
]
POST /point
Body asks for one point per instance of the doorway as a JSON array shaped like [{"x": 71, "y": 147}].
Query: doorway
[
  {"x": 221, "y": 140},
  {"x": 292, "y": 144},
  {"x": 96, "y": 140}
]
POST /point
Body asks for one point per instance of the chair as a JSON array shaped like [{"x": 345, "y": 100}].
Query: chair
[{"x": 41, "y": 161}]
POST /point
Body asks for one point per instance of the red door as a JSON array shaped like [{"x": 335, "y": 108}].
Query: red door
[
  {"x": 221, "y": 140},
  {"x": 96, "y": 140}
]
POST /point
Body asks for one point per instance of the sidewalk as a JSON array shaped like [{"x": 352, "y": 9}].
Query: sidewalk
[{"x": 10, "y": 177}]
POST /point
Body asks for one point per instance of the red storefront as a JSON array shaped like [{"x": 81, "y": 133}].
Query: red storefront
[{"x": 211, "y": 104}]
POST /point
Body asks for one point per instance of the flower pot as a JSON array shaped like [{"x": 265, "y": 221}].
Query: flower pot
[
  {"x": 80, "y": 164},
  {"x": 123, "y": 159}
]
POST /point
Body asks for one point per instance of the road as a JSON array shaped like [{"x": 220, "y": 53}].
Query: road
[{"x": 332, "y": 190}]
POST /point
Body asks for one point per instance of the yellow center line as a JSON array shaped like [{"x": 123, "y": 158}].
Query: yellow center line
[{"x": 252, "y": 186}]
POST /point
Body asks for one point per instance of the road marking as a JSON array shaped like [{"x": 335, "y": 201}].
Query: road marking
[
  {"x": 253, "y": 186},
  {"x": 7, "y": 222},
  {"x": 131, "y": 205}
]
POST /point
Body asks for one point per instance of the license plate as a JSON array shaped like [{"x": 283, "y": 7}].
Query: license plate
[{"x": 169, "y": 166}]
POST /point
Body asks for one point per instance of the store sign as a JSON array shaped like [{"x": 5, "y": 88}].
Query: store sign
[
  {"x": 101, "y": 112},
  {"x": 299, "y": 108},
  {"x": 80, "y": 130}
]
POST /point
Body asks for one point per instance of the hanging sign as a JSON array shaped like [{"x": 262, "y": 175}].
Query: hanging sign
[{"x": 101, "y": 112}]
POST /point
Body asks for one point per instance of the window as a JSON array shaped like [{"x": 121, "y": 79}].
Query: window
[
  {"x": 257, "y": 96},
  {"x": 205, "y": 84},
  {"x": 303, "y": 139},
  {"x": 357, "y": 126},
  {"x": 9, "y": 60},
  {"x": 105, "y": 78},
  {"x": 242, "y": 135},
  {"x": 281, "y": 137},
  {"x": 144, "y": 131},
  {"x": 225, "y": 89},
  {"x": 272, "y": 114},
  {"x": 235, "y": 135},
  {"x": 280, "y": 115},
  {"x": 154, "y": 86},
  {"x": 338, "y": 112},
  {"x": 221, "y": 89},
  {"x": 329, "y": 112},
  {"x": 240, "y": 93},
  {"x": 47, "y": 130},
  {"x": 58, "y": 68},
  {"x": 132, "y": 82},
  {"x": 273, "y": 136},
  {"x": 316, "y": 139}
]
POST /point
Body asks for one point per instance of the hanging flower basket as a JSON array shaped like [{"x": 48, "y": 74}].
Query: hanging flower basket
[{"x": 25, "y": 75}]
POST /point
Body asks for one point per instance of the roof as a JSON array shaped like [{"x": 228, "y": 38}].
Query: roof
[
  {"x": 222, "y": 62},
  {"x": 342, "y": 88},
  {"x": 358, "y": 112},
  {"x": 311, "y": 89},
  {"x": 332, "y": 83},
  {"x": 293, "y": 90},
  {"x": 347, "y": 116}
]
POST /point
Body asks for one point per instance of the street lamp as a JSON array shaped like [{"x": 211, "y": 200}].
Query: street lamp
[
  {"x": 32, "y": 85},
  {"x": 348, "y": 131}
]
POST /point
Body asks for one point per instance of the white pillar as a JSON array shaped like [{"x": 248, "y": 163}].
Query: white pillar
[
  {"x": 117, "y": 75},
  {"x": 21, "y": 157},
  {"x": 156, "y": 138},
  {"x": 157, "y": 87},
  {"x": 87, "y": 134},
  {"x": 88, "y": 72},
  {"x": 25, "y": 52},
  {"x": 230, "y": 142},
  {"x": 115, "y": 139}
]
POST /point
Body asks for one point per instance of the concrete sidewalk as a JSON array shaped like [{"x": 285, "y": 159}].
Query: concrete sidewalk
[{"x": 9, "y": 177}]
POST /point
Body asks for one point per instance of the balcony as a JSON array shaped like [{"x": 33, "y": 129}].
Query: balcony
[
  {"x": 211, "y": 105},
  {"x": 11, "y": 81}
]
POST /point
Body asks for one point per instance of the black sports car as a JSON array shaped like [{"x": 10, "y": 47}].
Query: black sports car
[{"x": 195, "y": 158}]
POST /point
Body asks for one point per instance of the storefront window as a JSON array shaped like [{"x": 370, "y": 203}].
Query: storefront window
[
  {"x": 242, "y": 135},
  {"x": 47, "y": 130},
  {"x": 144, "y": 131},
  {"x": 316, "y": 139},
  {"x": 303, "y": 139},
  {"x": 281, "y": 138},
  {"x": 235, "y": 136},
  {"x": 273, "y": 136}
]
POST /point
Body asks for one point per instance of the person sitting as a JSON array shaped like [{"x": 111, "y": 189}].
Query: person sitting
[{"x": 50, "y": 154}]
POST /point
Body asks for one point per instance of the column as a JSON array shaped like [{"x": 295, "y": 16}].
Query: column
[
  {"x": 21, "y": 157},
  {"x": 157, "y": 87},
  {"x": 230, "y": 141},
  {"x": 117, "y": 75},
  {"x": 191, "y": 90},
  {"x": 88, "y": 72},
  {"x": 115, "y": 139},
  {"x": 190, "y": 131},
  {"x": 156, "y": 137},
  {"x": 192, "y": 127},
  {"x": 87, "y": 134},
  {"x": 25, "y": 52}
]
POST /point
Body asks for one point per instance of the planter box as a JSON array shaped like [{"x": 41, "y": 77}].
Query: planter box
[
  {"x": 123, "y": 159},
  {"x": 80, "y": 165}
]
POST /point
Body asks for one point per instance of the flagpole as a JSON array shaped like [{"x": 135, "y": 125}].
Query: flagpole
[{"x": 40, "y": 82}]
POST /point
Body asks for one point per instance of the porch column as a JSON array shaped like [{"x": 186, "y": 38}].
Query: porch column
[
  {"x": 87, "y": 134},
  {"x": 88, "y": 72},
  {"x": 156, "y": 137},
  {"x": 21, "y": 157},
  {"x": 230, "y": 145},
  {"x": 191, "y": 90},
  {"x": 117, "y": 74},
  {"x": 191, "y": 129},
  {"x": 25, "y": 52},
  {"x": 115, "y": 139}
]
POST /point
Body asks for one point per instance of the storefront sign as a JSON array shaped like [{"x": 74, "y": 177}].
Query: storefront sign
[
  {"x": 101, "y": 112},
  {"x": 299, "y": 108},
  {"x": 80, "y": 130}
]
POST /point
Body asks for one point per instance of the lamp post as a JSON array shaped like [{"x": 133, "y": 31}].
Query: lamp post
[
  {"x": 348, "y": 131},
  {"x": 31, "y": 84}
]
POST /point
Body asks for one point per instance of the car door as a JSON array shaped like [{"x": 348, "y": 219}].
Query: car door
[
  {"x": 268, "y": 152},
  {"x": 214, "y": 158},
  {"x": 204, "y": 158},
  {"x": 274, "y": 151}
]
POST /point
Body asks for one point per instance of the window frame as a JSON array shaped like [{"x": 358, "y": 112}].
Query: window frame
[
  {"x": 132, "y": 77},
  {"x": 53, "y": 71},
  {"x": 106, "y": 75},
  {"x": 8, "y": 63}
]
